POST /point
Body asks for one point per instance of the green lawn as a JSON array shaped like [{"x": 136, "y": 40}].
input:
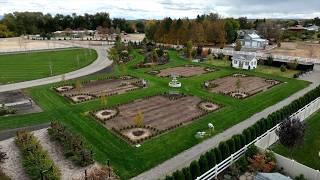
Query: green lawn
[
  {"x": 261, "y": 68},
  {"x": 308, "y": 153},
  {"x": 36, "y": 65},
  {"x": 129, "y": 161}
]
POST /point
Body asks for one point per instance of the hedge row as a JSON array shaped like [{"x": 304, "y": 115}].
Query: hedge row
[
  {"x": 35, "y": 159},
  {"x": 73, "y": 146},
  {"x": 226, "y": 148}
]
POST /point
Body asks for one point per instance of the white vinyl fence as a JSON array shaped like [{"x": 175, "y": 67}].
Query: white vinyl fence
[{"x": 265, "y": 140}]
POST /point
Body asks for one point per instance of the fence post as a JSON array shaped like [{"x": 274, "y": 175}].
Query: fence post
[{"x": 216, "y": 171}]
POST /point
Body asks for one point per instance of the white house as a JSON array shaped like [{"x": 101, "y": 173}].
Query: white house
[
  {"x": 313, "y": 28},
  {"x": 244, "y": 62},
  {"x": 253, "y": 41}
]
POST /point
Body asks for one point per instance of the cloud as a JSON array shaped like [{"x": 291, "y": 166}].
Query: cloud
[{"x": 149, "y": 9}]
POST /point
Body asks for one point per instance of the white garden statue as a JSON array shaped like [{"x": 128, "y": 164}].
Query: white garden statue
[{"x": 174, "y": 82}]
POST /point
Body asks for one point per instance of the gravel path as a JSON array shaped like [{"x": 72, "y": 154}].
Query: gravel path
[
  {"x": 185, "y": 158},
  {"x": 99, "y": 64},
  {"x": 12, "y": 167}
]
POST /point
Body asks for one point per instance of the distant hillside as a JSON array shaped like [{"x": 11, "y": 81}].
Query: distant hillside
[{"x": 1, "y": 17}]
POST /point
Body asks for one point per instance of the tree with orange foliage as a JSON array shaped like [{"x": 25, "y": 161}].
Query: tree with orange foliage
[{"x": 262, "y": 163}]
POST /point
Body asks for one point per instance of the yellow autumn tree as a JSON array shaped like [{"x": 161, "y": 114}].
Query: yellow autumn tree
[
  {"x": 78, "y": 86},
  {"x": 103, "y": 100},
  {"x": 138, "y": 119}
]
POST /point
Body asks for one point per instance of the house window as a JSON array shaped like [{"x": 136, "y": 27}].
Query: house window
[
  {"x": 235, "y": 62},
  {"x": 247, "y": 63}
]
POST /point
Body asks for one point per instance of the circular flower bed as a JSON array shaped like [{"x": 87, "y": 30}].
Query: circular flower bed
[
  {"x": 208, "y": 106},
  {"x": 238, "y": 95},
  {"x": 64, "y": 88},
  {"x": 271, "y": 81},
  {"x": 81, "y": 98},
  {"x": 135, "y": 134},
  {"x": 239, "y": 75},
  {"x": 106, "y": 114},
  {"x": 208, "y": 69},
  {"x": 126, "y": 77},
  {"x": 154, "y": 72}
]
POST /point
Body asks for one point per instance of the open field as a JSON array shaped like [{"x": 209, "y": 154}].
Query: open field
[
  {"x": 29, "y": 66},
  {"x": 129, "y": 161},
  {"x": 240, "y": 85},
  {"x": 300, "y": 49},
  {"x": 21, "y": 44},
  {"x": 308, "y": 152}
]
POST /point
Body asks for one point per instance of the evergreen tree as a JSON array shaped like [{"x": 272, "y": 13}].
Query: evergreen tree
[
  {"x": 211, "y": 157},
  {"x": 187, "y": 174},
  {"x": 203, "y": 163},
  {"x": 224, "y": 149},
  {"x": 218, "y": 155},
  {"x": 194, "y": 169}
]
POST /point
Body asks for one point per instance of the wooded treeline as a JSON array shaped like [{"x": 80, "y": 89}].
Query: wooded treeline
[
  {"x": 19, "y": 23},
  {"x": 204, "y": 29}
]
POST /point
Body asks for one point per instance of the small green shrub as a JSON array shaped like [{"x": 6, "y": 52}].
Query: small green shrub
[
  {"x": 283, "y": 68},
  {"x": 34, "y": 158},
  {"x": 73, "y": 146},
  {"x": 301, "y": 177}
]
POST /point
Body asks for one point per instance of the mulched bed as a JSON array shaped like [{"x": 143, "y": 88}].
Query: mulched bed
[{"x": 241, "y": 86}]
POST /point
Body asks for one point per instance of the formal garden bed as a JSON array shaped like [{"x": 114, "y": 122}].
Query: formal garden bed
[
  {"x": 240, "y": 86},
  {"x": 142, "y": 119},
  {"x": 84, "y": 91},
  {"x": 183, "y": 71}
]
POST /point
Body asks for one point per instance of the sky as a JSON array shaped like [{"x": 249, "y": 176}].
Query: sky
[{"x": 158, "y": 9}]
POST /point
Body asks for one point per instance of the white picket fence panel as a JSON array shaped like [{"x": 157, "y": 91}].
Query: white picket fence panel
[{"x": 302, "y": 113}]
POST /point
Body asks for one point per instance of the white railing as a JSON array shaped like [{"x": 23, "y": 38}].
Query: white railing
[
  {"x": 302, "y": 113},
  {"x": 264, "y": 56}
]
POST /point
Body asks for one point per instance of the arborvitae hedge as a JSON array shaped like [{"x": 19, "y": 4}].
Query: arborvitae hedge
[
  {"x": 231, "y": 145},
  {"x": 187, "y": 173},
  {"x": 203, "y": 163},
  {"x": 218, "y": 155},
  {"x": 211, "y": 158},
  {"x": 194, "y": 169},
  {"x": 222, "y": 151}
]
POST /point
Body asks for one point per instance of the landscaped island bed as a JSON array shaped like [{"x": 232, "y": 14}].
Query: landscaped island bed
[
  {"x": 160, "y": 113},
  {"x": 185, "y": 71},
  {"x": 94, "y": 89},
  {"x": 35, "y": 65},
  {"x": 241, "y": 85}
]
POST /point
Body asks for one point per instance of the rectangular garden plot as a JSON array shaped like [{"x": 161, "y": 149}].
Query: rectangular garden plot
[
  {"x": 240, "y": 86},
  {"x": 95, "y": 89},
  {"x": 183, "y": 71},
  {"x": 143, "y": 119}
]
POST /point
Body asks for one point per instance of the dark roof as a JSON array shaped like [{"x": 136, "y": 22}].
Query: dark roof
[{"x": 243, "y": 57}]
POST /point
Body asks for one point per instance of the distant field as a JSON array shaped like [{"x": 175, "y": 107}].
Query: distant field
[
  {"x": 29, "y": 66},
  {"x": 300, "y": 49},
  {"x": 308, "y": 153}
]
